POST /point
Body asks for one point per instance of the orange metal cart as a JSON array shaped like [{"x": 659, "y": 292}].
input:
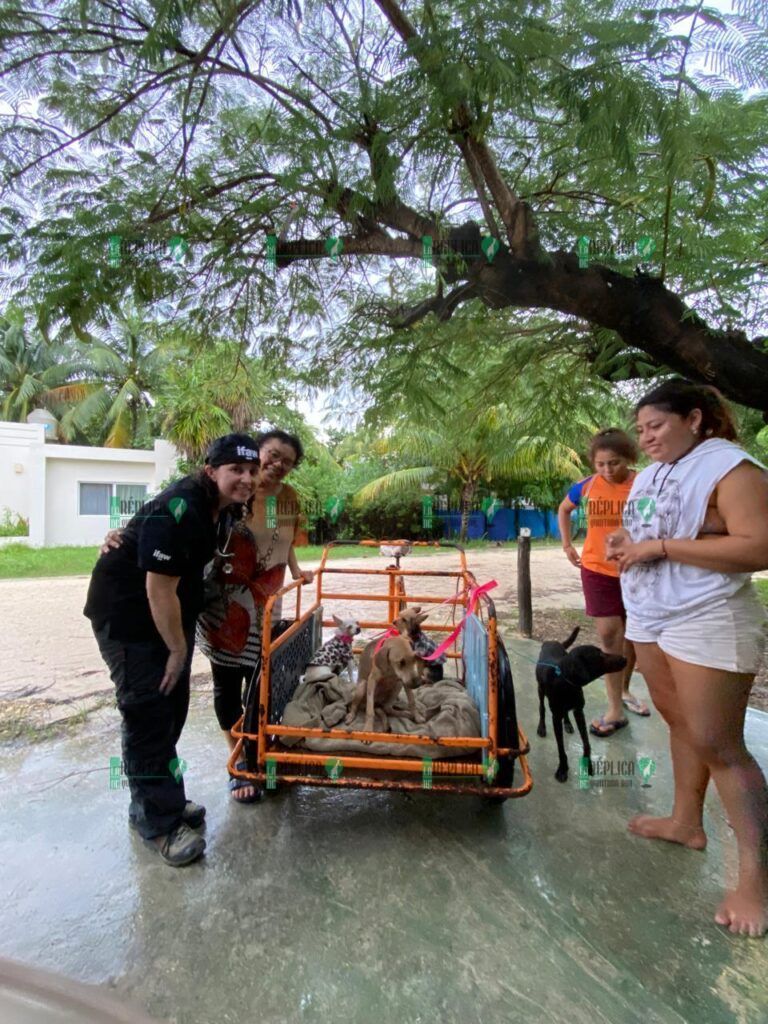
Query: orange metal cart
[{"x": 477, "y": 651}]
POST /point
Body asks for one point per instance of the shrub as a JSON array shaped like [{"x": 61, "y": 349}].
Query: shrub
[{"x": 13, "y": 525}]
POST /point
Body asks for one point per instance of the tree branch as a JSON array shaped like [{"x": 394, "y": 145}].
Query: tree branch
[
  {"x": 640, "y": 309},
  {"x": 516, "y": 215}
]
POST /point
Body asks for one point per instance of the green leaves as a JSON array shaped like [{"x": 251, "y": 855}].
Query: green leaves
[{"x": 616, "y": 120}]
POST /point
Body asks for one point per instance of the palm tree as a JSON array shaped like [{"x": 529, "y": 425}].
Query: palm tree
[
  {"x": 33, "y": 373},
  {"x": 123, "y": 370},
  {"x": 491, "y": 445},
  {"x": 213, "y": 390}
]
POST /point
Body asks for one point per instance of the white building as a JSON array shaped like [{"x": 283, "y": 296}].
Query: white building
[{"x": 69, "y": 493}]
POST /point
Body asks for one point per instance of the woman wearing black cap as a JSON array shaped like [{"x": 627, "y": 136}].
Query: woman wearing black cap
[
  {"x": 251, "y": 566},
  {"x": 143, "y": 600}
]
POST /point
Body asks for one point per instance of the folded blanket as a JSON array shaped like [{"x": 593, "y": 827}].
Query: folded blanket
[{"x": 323, "y": 703}]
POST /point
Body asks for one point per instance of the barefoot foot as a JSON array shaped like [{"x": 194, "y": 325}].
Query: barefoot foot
[
  {"x": 668, "y": 829},
  {"x": 743, "y": 913}
]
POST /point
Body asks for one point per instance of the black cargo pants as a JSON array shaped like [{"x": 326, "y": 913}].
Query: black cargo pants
[{"x": 151, "y": 727}]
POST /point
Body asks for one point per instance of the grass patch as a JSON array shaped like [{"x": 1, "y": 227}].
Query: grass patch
[
  {"x": 18, "y": 561},
  {"x": 762, "y": 590}
]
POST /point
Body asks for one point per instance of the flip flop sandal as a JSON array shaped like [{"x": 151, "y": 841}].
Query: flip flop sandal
[
  {"x": 635, "y": 706},
  {"x": 236, "y": 784},
  {"x": 609, "y": 727}
]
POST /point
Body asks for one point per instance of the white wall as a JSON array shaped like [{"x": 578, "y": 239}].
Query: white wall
[
  {"x": 41, "y": 481},
  {"x": 166, "y": 458},
  {"x": 15, "y": 442},
  {"x": 63, "y": 522}
]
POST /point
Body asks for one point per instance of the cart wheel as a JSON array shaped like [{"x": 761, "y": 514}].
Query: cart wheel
[{"x": 250, "y": 751}]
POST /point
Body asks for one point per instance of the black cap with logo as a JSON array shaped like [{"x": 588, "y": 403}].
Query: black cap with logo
[{"x": 232, "y": 448}]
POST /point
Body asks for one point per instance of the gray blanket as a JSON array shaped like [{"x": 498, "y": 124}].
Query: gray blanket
[{"x": 322, "y": 704}]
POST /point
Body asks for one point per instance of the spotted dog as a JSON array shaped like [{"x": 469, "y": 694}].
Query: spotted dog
[{"x": 335, "y": 655}]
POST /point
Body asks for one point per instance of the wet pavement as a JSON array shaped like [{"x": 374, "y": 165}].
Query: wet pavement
[{"x": 343, "y": 906}]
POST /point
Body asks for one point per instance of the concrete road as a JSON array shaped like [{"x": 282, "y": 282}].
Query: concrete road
[
  {"x": 47, "y": 649},
  {"x": 322, "y": 905}
]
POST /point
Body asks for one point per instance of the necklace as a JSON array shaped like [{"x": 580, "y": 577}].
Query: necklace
[{"x": 672, "y": 466}]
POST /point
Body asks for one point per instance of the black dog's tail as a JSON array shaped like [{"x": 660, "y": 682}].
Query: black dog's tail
[{"x": 572, "y": 637}]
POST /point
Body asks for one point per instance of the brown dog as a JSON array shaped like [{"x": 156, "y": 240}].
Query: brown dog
[
  {"x": 408, "y": 624},
  {"x": 381, "y": 676}
]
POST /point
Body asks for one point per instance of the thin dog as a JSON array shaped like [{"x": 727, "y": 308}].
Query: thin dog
[
  {"x": 408, "y": 624},
  {"x": 562, "y": 675},
  {"x": 381, "y": 675}
]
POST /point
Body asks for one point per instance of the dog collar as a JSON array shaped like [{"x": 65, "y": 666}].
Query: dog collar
[{"x": 559, "y": 672}]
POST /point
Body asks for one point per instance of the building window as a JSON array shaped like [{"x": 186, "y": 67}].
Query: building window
[
  {"x": 94, "y": 499},
  {"x": 112, "y": 499},
  {"x": 130, "y": 497}
]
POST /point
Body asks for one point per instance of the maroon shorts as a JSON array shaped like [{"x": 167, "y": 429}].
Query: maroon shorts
[{"x": 602, "y": 594}]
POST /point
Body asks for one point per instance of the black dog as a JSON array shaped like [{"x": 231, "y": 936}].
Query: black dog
[{"x": 562, "y": 676}]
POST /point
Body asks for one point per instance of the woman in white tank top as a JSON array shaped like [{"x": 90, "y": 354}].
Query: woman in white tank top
[{"x": 696, "y": 527}]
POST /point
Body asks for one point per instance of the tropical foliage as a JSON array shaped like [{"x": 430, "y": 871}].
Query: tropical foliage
[
  {"x": 372, "y": 129},
  {"x": 33, "y": 374}
]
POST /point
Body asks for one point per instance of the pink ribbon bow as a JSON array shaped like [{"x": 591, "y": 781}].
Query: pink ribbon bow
[{"x": 474, "y": 596}]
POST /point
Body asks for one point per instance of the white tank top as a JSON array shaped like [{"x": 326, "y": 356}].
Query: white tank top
[{"x": 668, "y": 501}]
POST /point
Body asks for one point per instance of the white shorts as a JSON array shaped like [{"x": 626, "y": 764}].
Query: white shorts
[{"x": 728, "y": 636}]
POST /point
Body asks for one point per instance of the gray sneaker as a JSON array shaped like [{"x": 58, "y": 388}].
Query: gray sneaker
[
  {"x": 193, "y": 814},
  {"x": 181, "y": 846}
]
